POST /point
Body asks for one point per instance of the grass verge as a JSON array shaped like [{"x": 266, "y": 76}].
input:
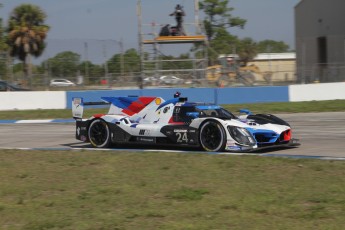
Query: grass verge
[
  {"x": 156, "y": 190},
  {"x": 274, "y": 108}
]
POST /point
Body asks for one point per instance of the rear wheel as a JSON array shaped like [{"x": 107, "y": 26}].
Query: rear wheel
[
  {"x": 212, "y": 136},
  {"x": 99, "y": 134}
]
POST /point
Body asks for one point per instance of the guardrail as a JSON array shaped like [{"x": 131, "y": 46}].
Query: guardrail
[{"x": 62, "y": 100}]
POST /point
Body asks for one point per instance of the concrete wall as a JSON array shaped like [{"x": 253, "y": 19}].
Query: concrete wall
[
  {"x": 317, "y": 92},
  {"x": 23, "y": 100},
  {"x": 239, "y": 95}
]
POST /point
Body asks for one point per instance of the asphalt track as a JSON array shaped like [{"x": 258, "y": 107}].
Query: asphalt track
[{"x": 320, "y": 134}]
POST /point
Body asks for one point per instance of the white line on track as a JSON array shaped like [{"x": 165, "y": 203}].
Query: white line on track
[{"x": 185, "y": 152}]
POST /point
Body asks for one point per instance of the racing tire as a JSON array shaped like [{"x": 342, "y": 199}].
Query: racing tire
[
  {"x": 212, "y": 136},
  {"x": 99, "y": 134}
]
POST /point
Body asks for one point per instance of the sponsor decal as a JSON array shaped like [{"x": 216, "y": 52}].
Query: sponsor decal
[
  {"x": 146, "y": 139},
  {"x": 246, "y": 148},
  {"x": 180, "y": 130},
  {"x": 142, "y": 132},
  {"x": 230, "y": 143},
  {"x": 158, "y": 101},
  {"x": 251, "y": 123},
  {"x": 78, "y": 131},
  {"x": 166, "y": 109},
  {"x": 83, "y": 138},
  {"x": 233, "y": 148}
]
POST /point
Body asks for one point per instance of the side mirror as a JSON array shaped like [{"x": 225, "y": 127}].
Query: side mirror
[{"x": 246, "y": 111}]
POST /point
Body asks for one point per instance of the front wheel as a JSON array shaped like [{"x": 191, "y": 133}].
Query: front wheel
[
  {"x": 99, "y": 134},
  {"x": 212, "y": 136}
]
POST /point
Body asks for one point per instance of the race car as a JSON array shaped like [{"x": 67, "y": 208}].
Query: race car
[{"x": 177, "y": 122}]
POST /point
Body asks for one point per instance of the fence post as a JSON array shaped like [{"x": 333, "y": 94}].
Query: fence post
[{"x": 215, "y": 96}]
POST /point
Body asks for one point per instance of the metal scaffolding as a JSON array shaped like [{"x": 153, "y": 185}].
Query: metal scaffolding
[{"x": 153, "y": 61}]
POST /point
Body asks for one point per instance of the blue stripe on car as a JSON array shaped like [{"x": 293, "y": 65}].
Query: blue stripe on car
[
  {"x": 207, "y": 107},
  {"x": 121, "y": 102}
]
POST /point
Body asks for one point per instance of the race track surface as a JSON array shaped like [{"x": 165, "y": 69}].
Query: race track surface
[{"x": 320, "y": 134}]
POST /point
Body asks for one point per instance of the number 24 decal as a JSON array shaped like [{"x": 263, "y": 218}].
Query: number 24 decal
[{"x": 182, "y": 137}]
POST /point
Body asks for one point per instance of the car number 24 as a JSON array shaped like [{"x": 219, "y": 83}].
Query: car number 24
[{"x": 182, "y": 137}]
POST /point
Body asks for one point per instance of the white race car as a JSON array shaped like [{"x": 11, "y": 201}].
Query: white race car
[{"x": 178, "y": 122}]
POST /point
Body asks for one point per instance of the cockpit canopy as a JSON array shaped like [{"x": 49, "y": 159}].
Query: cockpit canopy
[{"x": 188, "y": 112}]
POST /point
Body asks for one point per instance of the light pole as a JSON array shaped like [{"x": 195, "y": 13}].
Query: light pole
[
  {"x": 106, "y": 67},
  {"x": 86, "y": 59},
  {"x": 122, "y": 65},
  {"x": 140, "y": 40},
  {"x": 106, "y": 63},
  {"x": 196, "y": 15}
]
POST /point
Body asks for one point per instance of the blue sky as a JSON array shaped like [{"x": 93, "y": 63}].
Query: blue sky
[{"x": 74, "y": 20}]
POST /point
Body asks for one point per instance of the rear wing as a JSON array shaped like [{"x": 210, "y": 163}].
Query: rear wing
[
  {"x": 132, "y": 106},
  {"x": 78, "y": 106}
]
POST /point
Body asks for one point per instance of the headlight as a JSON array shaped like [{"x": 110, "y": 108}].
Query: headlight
[{"x": 241, "y": 135}]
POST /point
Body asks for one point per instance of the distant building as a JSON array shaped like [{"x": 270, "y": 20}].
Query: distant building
[
  {"x": 281, "y": 65},
  {"x": 320, "y": 40}
]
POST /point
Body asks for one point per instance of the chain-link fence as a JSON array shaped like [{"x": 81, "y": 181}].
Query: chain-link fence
[
  {"x": 103, "y": 64},
  {"x": 87, "y": 63},
  {"x": 321, "y": 72}
]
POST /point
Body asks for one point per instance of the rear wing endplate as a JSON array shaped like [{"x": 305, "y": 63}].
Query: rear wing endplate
[{"x": 78, "y": 106}]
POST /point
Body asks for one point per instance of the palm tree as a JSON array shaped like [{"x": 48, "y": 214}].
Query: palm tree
[
  {"x": 3, "y": 54},
  {"x": 26, "y": 34},
  {"x": 2, "y": 43}
]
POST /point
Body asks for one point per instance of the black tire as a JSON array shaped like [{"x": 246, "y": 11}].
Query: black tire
[
  {"x": 99, "y": 134},
  {"x": 212, "y": 136}
]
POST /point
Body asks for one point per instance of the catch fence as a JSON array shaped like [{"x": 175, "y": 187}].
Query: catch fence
[{"x": 104, "y": 64}]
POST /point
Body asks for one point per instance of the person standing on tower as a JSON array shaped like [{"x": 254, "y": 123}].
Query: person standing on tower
[{"x": 179, "y": 14}]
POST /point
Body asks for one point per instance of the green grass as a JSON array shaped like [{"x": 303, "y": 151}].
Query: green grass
[
  {"x": 126, "y": 190},
  {"x": 156, "y": 190},
  {"x": 275, "y": 108},
  {"x": 45, "y": 114},
  {"x": 292, "y": 107}
]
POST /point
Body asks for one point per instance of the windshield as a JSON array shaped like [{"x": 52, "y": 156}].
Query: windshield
[{"x": 218, "y": 112}]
